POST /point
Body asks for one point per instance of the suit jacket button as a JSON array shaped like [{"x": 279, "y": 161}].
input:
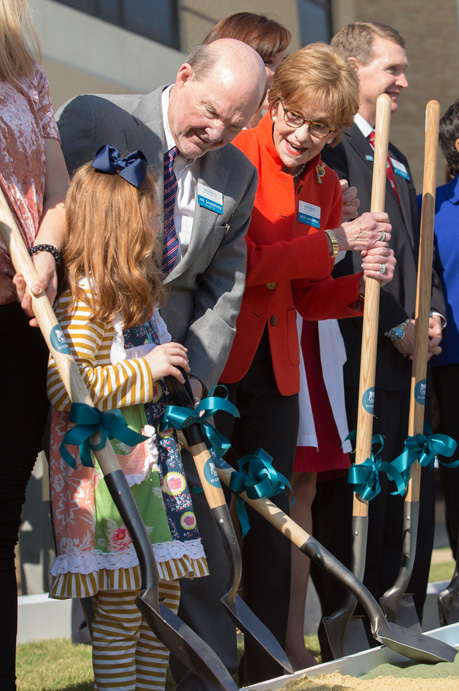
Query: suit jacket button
[
  {"x": 271, "y": 286},
  {"x": 273, "y": 321}
]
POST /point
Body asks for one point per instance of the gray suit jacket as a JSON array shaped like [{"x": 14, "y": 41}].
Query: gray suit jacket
[{"x": 205, "y": 288}]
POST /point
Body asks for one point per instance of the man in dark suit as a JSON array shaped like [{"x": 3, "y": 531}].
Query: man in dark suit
[
  {"x": 378, "y": 53},
  {"x": 216, "y": 92}
]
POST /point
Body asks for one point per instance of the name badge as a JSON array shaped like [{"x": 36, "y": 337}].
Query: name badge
[
  {"x": 210, "y": 199},
  {"x": 399, "y": 168},
  {"x": 309, "y": 213}
]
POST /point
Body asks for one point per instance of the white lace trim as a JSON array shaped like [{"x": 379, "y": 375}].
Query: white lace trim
[
  {"x": 76, "y": 561},
  {"x": 118, "y": 352}
]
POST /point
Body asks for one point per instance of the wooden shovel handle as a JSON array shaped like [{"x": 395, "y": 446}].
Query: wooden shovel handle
[
  {"x": 371, "y": 307},
  {"x": 47, "y": 321},
  {"x": 423, "y": 288}
]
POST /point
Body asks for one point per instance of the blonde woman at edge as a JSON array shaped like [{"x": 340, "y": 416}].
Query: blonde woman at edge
[{"x": 33, "y": 178}]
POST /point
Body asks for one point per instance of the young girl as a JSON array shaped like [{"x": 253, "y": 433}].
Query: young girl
[{"x": 109, "y": 315}]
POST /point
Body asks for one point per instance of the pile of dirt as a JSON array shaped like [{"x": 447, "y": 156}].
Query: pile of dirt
[
  {"x": 338, "y": 682},
  {"x": 407, "y": 676}
]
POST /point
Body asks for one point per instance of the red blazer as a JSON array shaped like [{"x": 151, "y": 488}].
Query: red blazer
[{"x": 288, "y": 262}]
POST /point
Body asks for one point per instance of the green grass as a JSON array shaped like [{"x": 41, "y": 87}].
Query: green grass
[
  {"x": 54, "y": 665},
  {"x": 443, "y": 569},
  {"x": 57, "y": 665}
]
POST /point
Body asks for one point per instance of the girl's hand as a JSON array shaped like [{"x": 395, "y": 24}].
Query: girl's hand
[{"x": 165, "y": 360}]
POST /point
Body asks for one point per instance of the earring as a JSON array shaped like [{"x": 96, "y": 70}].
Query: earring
[
  {"x": 273, "y": 118},
  {"x": 329, "y": 141}
]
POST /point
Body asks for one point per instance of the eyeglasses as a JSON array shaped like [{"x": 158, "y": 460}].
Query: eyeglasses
[{"x": 296, "y": 120}]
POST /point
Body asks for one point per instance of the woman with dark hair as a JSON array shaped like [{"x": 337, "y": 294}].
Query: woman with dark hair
[
  {"x": 269, "y": 38},
  {"x": 290, "y": 252},
  {"x": 445, "y": 367}
]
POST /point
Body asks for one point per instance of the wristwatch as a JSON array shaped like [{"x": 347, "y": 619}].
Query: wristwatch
[
  {"x": 398, "y": 332},
  {"x": 334, "y": 243}
]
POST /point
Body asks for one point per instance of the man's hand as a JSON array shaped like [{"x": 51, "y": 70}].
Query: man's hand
[
  {"x": 405, "y": 345},
  {"x": 351, "y": 202},
  {"x": 435, "y": 336}
]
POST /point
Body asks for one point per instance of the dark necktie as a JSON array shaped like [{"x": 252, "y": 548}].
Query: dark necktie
[
  {"x": 389, "y": 168},
  {"x": 171, "y": 242}
]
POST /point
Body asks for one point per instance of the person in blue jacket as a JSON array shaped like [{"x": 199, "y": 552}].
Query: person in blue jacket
[{"x": 446, "y": 364}]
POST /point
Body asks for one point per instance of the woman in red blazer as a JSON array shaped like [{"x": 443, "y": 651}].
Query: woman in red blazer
[{"x": 290, "y": 253}]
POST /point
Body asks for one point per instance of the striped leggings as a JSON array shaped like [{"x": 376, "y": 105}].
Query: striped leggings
[{"x": 126, "y": 654}]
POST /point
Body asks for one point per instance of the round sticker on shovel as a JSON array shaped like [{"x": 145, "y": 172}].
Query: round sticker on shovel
[
  {"x": 420, "y": 392},
  {"x": 368, "y": 400},
  {"x": 210, "y": 473},
  {"x": 58, "y": 341}
]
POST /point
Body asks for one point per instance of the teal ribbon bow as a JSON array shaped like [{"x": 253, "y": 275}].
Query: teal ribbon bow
[
  {"x": 181, "y": 418},
  {"x": 364, "y": 477},
  {"x": 425, "y": 449},
  {"x": 89, "y": 420},
  {"x": 258, "y": 478}
]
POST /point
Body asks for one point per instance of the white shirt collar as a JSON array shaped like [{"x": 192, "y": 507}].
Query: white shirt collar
[
  {"x": 365, "y": 128},
  {"x": 170, "y": 142}
]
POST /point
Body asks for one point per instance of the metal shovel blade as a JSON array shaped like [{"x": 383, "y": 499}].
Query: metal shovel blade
[
  {"x": 346, "y": 635},
  {"x": 412, "y": 644},
  {"x": 405, "y": 614},
  {"x": 239, "y": 611},
  {"x": 241, "y": 614},
  {"x": 397, "y": 604},
  {"x": 345, "y": 631}
]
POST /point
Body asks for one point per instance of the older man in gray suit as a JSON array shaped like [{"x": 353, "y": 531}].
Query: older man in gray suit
[{"x": 216, "y": 91}]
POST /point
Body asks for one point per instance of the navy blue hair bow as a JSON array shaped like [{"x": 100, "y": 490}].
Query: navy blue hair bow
[{"x": 132, "y": 168}]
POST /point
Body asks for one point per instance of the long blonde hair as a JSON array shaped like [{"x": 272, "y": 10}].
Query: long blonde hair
[
  {"x": 19, "y": 43},
  {"x": 111, "y": 241}
]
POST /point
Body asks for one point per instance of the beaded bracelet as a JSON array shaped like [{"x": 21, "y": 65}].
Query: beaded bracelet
[{"x": 47, "y": 248}]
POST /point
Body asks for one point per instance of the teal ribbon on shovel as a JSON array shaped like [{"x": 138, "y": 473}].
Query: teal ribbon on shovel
[
  {"x": 181, "y": 418},
  {"x": 89, "y": 420},
  {"x": 424, "y": 448},
  {"x": 364, "y": 477},
  {"x": 258, "y": 478}
]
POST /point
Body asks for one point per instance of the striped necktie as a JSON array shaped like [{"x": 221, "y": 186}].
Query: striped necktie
[
  {"x": 389, "y": 168},
  {"x": 170, "y": 242}
]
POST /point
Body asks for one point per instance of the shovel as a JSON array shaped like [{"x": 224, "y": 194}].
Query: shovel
[
  {"x": 399, "y": 607},
  {"x": 241, "y": 614},
  {"x": 186, "y": 645},
  {"x": 343, "y": 642},
  {"x": 413, "y": 645}
]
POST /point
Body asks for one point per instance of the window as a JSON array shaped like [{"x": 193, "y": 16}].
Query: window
[
  {"x": 315, "y": 21},
  {"x": 155, "y": 19}
]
